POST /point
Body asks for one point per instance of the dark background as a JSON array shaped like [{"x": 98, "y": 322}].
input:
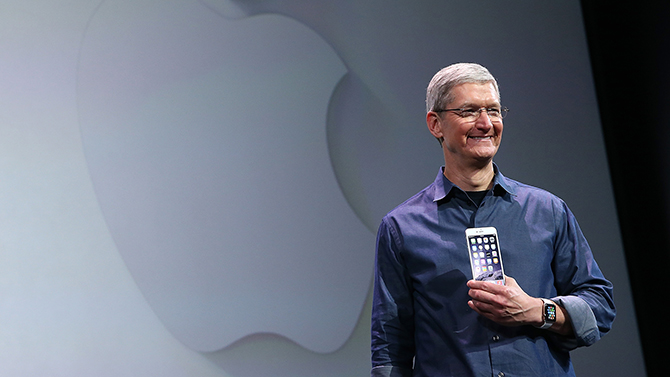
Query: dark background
[{"x": 628, "y": 44}]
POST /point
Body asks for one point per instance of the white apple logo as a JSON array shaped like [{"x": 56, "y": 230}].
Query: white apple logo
[{"x": 206, "y": 143}]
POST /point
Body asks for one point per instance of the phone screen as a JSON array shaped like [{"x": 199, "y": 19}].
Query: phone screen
[{"x": 485, "y": 257}]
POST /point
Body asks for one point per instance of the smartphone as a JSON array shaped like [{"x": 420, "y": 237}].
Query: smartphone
[{"x": 485, "y": 257}]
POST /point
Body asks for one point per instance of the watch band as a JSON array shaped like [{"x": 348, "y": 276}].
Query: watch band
[{"x": 548, "y": 314}]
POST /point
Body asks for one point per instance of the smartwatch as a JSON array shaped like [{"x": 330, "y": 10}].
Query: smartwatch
[{"x": 548, "y": 314}]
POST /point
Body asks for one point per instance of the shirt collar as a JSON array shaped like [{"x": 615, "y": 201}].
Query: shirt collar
[{"x": 443, "y": 186}]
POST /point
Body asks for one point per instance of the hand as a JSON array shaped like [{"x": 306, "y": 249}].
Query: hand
[{"x": 507, "y": 304}]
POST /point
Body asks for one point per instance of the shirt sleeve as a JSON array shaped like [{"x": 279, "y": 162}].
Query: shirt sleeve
[
  {"x": 392, "y": 328},
  {"x": 583, "y": 321},
  {"x": 582, "y": 289},
  {"x": 390, "y": 371}
]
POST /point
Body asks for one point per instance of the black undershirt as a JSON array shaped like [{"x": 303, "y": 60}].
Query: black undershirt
[{"x": 477, "y": 196}]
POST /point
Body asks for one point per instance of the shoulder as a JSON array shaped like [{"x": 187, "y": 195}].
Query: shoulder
[
  {"x": 522, "y": 192},
  {"x": 419, "y": 202}
]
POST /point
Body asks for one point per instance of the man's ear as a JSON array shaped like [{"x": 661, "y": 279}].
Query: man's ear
[{"x": 434, "y": 124}]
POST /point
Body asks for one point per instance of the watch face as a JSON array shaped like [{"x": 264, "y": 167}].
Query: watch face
[{"x": 550, "y": 313}]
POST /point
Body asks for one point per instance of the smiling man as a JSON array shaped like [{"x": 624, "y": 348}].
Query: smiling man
[{"x": 429, "y": 317}]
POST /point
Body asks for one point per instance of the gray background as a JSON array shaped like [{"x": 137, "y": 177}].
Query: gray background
[{"x": 85, "y": 292}]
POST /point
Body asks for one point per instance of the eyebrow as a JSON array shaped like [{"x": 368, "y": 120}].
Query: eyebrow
[{"x": 473, "y": 105}]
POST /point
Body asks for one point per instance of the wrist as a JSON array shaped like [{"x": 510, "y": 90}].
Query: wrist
[{"x": 539, "y": 317}]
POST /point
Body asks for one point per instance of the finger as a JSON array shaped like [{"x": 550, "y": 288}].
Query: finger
[
  {"x": 487, "y": 301},
  {"x": 497, "y": 296},
  {"x": 486, "y": 286},
  {"x": 480, "y": 295},
  {"x": 486, "y": 311},
  {"x": 479, "y": 307}
]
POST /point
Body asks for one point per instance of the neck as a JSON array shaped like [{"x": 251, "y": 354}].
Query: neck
[{"x": 471, "y": 178}]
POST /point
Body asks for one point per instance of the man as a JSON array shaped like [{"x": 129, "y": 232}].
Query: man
[{"x": 429, "y": 317}]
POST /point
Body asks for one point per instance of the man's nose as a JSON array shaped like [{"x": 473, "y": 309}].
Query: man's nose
[{"x": 484, "y": 121}]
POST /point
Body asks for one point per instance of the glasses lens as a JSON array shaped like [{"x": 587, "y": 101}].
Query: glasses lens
[{"x": 494, "y": 113}]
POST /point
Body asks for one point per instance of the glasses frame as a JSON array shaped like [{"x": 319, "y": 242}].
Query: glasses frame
[{"x": 503, "y": 112}]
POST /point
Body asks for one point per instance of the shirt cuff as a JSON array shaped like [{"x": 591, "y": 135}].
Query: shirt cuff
[
  {"x": 390, "y": 371},
  {"x": 583, "y": 321}
]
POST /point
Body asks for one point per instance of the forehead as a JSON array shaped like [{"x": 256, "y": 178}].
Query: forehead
[{"x": 475, "y": 94}]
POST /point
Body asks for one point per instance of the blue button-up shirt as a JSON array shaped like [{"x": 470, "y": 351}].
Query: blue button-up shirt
[{"x": 421, "y": 322}]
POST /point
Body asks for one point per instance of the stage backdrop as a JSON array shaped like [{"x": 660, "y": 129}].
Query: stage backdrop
[{"x": 192, "y": 188}]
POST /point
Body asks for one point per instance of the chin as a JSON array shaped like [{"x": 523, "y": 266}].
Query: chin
[{"x": 485, "y": 154}]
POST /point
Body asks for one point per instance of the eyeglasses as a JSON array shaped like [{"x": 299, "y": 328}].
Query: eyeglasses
[{"x": 471, "y": 115}]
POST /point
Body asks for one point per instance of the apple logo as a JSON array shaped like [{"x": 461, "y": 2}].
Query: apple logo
[{"x": 207, "y": 146}]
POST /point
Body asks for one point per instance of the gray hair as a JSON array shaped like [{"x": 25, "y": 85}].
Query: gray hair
[{"x": 438, "y": 93}]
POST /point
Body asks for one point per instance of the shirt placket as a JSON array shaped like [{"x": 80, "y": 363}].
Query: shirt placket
[{"x": 481, "y": 218}]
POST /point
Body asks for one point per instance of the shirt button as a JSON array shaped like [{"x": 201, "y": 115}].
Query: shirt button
[
  {"x": 496, "y": 338},
  {"x": 501, "y": 374}
]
